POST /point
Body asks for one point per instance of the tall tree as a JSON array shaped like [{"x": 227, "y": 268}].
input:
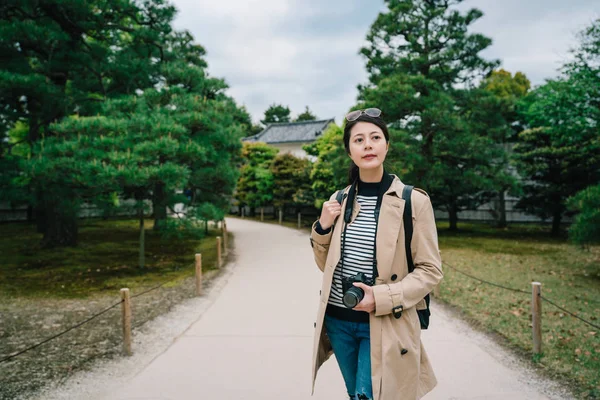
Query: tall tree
[
  {"x": 501, "y": 110},
  {"x": 276, "y": 113},
  {"x": 422, "y": 64},
  {"x": 65, "y": 58},
  {"x": 307, "y": 115},
  {"x": 559, "y": 153}
]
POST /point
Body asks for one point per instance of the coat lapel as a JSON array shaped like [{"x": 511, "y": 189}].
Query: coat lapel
[{"x": 389, "y": 228}]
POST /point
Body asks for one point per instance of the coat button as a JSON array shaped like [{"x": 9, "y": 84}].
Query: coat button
[
  {"x": 394, "y": 277},
  {"x": 319, "y": 292},
  {"x": 315, "y": 324},
  {"x": 403, "y": 351}
]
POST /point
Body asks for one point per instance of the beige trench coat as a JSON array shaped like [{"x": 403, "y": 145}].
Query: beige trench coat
[{"x": 394, "y": 375}]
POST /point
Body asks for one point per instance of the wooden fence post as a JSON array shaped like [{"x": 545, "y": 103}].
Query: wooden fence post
[
  {"x": 126, "y": 320},
  {"x": 280, "y": 216},
  {"x": 262, "y": 214},
  {"x": 299, "y": 220},
  {"x": 219, "y": 261},
  {"x": 198, "y": 274},
  {"x": 536, "y": 316},
  {"x": 224, "y": 226},
  {"x": 242, "y": 212}
]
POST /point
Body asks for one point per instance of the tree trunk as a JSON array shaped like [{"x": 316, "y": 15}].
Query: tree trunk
[
  {"x": 159, "y": 205},
  {"x": 40, "y": 219},
  {"x": 60, "y": 228},
  {"x": 556, "y": 222},
  {"x": 453, "y": 215},
  {"x": 142, "y": 258},
  {"x": 501, "y": 222}
]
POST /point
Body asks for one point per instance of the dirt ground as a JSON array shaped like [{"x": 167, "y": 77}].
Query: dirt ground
[{"x": 25, "y": 322}]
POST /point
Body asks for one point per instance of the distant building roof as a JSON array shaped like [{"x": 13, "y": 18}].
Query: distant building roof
[{"x": 287, "y": 132}]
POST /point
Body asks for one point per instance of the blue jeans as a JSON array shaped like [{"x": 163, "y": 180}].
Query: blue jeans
[{"x": 351, "y": 343}]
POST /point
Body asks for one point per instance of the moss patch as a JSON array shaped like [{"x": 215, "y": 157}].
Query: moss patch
[{"x": 105, "y": 260}]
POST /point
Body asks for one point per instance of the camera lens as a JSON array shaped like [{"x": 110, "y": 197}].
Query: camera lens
[{"x": 353, "y": 296}]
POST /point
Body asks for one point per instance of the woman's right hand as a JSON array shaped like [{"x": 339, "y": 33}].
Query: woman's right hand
[{"x": 331, "y": 209}]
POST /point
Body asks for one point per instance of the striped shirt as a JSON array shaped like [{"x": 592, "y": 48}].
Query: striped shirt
[{"x": 358, "y": 252}]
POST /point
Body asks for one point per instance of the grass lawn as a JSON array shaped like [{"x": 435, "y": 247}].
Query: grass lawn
[
  {"x": 105, "y": 260},
  {"x": 515, "y": 257}
]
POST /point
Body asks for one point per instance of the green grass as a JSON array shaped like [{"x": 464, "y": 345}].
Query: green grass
[
  {"x": 105, "y": 260},
  {"x": 515, "y": 257}
]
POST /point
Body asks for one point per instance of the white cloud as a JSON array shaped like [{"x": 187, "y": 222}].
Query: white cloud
[{"x": 305, "y": 52}]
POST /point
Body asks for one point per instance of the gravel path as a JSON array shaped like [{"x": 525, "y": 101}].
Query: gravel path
[{"x": 250, "y": 337}]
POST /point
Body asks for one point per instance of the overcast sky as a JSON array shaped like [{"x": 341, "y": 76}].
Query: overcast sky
[{"x": 305, "y": 52}]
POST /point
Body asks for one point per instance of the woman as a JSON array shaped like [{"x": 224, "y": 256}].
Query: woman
[{"x": 377, "y": 341}]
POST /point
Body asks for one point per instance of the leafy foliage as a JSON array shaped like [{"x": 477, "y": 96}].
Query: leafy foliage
[
  {"x": 586, "y": 228},
  {"x": 255, "y": 185},
  {"x": 307, "y": 115},
  {"x": 329, "y": 170},
  {"x": 559, "y": 155},
  {"x": 292, "y": 186},
  {"x": 122, "y": 107},
  {"x": 276, "y": 113}
]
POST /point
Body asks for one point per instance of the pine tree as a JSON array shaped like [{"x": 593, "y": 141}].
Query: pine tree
[
  {"x": 276, "y": 113},
  {"x": 66, "y": 58},
  {"x": 307, "y": 115},
  {"x": 422, "y": 66}
]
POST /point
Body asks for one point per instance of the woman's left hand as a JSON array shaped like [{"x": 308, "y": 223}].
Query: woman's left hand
[{"x": 367, "y": 304}]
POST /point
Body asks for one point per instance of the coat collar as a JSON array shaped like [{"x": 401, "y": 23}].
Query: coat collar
[{"x": 396, "y": 187}]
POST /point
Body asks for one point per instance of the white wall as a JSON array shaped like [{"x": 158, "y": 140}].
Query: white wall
[{"x": 293, "y": 148}]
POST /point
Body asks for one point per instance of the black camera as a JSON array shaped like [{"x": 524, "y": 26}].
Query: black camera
[{"x": 352, "y": 294}]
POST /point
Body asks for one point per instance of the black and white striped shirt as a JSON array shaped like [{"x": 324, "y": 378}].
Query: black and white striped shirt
[{"x": 358, "y": 252}]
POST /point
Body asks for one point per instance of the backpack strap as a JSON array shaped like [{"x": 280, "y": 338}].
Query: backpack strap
[
  {"x": 408, "y": 226},
  {"x": 408, "y": 233},
  {"x": 340, "y": 196}
]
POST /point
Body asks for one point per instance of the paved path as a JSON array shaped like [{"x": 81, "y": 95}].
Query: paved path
[{"x": 255, "y": 340}]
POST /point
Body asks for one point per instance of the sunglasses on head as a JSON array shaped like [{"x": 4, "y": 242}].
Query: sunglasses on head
[{"x": 371, "y": 112}]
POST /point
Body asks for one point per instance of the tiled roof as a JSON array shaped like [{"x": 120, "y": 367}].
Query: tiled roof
[{"x": 305, "y": 131}]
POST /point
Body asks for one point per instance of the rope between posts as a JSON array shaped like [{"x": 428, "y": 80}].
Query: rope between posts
[
  {"x": 484, "y": 281},
  {"x": 61, "y": 333},
  {"x": 569, "y": 312},
  {"x": 522, "y": 291},
  {"x": 157, "y": 286},
  {"x": 81, "y": 323}
]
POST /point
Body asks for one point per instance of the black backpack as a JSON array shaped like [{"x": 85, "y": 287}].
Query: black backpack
[{"x": 408, "y": 233}]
